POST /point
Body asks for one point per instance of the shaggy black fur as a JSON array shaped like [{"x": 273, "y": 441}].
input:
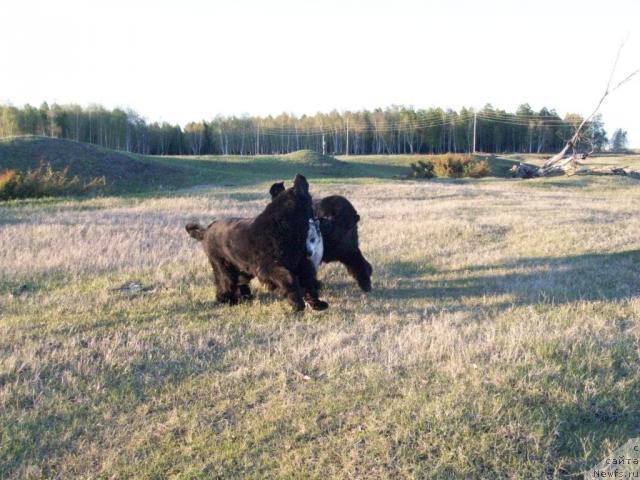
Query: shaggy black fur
[
  {"x": 270, "y": 247},
  {"x": 339, "y": 227}
]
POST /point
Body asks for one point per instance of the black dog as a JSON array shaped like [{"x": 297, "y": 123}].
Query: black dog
[
  {"x": 339, "y": 228},
  {"x": 270, "y": 247}
]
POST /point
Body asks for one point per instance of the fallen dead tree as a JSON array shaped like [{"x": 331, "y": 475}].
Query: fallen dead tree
[
  {"x": 570, "y": 166},
  {"x": 611, "y": 171},
  {"x": 562, "y": 164}
]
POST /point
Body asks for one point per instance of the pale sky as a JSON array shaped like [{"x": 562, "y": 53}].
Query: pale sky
[{"x": 190, "y": 60}]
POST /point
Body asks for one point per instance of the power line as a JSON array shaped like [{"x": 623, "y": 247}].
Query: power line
[
  {"x": 419, "y": 123},
  {"x": 522, "y": 120},
  {"x": 386, "y": 126},
  {"x": 369, "y": 126},
  {"x": 527, "y": 124},
  {"x": 408, "y": 127}
]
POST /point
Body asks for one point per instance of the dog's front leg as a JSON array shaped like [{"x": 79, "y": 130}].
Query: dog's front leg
[
  {"x": 310, "y": 285},
  {"x": 285, "y": 282},
  {"x": 358, "y": 268}
]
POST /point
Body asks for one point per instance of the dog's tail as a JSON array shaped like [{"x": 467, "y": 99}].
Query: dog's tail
[{"x": 195, "y": 230}]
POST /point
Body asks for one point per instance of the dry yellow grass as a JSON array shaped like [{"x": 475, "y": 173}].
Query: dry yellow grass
[{"x": 500, "y": 341}]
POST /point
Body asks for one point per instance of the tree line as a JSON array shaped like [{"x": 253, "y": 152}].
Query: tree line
[{"x": 394, "y": 130}]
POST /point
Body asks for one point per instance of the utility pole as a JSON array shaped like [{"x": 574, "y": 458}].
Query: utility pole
[
  {"x": 347, "y": 153},
  {"x": 475, "y": 121},
  {"x": 324, "y": 145}
]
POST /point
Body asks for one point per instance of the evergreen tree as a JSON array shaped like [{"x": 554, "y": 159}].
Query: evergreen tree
[{"x": 619, "y": 140}]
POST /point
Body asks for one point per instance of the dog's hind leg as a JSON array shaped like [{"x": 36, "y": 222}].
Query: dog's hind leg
[
  {"x": 310, "y": 285},
  {"x": 226, "y": 281},
  {"x": 285, "y": 282},
  {"x": 244, "y": 289},
  {"x": 358, "y": 268}
]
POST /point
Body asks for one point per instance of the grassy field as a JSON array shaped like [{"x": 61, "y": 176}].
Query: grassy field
[{"x": 501, "y": 339}]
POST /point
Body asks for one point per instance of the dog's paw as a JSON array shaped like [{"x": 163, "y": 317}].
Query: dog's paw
[
  {"x": 297, "y": 307},
  {"x": 364, "y": 283},
  {"x": 318, "y": 305},
  {"x": 227, "y": 299}
]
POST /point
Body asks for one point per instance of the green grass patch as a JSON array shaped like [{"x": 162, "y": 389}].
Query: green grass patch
[{"x": 493, "y": 345}]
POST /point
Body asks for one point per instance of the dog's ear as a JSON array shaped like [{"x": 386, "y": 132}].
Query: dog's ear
[
  {"x": 276, "y": 189},
  {"x": 301, "y": 186}
]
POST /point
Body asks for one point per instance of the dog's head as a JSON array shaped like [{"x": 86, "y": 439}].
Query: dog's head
[
  {"x": 302, "y": 196},
  {"x": 301, "y": 186},
  {"x": 315, "y": 246},
  {"x": 298, "y": 194}
]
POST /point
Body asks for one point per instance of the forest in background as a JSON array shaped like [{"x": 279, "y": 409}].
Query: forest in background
[{"x": 394, "y": 130}]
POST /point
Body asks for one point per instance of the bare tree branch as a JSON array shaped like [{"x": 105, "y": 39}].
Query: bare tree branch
[{"x": 556, "y": 162}]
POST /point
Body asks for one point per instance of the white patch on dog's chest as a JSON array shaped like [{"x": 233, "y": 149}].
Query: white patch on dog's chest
[{"x": 315, "y": 247}]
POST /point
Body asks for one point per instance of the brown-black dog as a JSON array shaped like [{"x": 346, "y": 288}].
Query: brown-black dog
[
  {"x": 339, "y": 228},
  {"x": 270, "y": 247}
]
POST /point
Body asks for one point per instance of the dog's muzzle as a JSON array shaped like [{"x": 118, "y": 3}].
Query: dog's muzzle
[{"x": 314, "y": 244}]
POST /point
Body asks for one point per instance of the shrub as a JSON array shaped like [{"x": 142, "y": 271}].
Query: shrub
[
  {"x": 422, "y": 170},
  {"x": 43, "y": 181},
  {"x": 8, "y": 180},
  {"x": 477, "y": 169},
  {"x": 451, "y": 165}
]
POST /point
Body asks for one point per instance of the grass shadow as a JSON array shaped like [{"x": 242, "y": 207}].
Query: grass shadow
[{"x": 557, "y": 280}]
